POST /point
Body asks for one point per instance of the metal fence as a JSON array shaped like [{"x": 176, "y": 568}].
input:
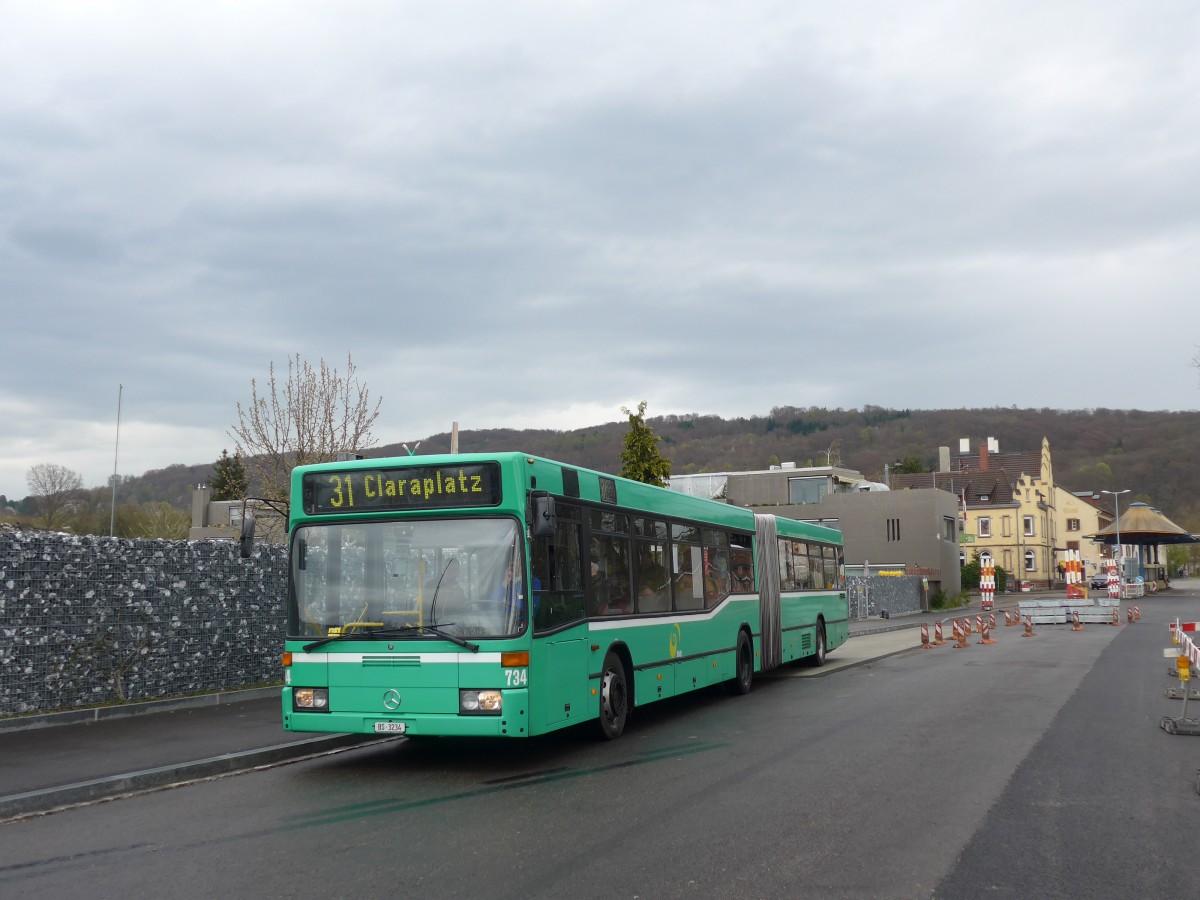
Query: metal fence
[
  {"x": 876, "y": 595},
  {"x": 86, "y": 621}
]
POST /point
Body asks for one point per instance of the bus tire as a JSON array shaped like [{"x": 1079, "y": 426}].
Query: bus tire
[
  {"x": 818, "y": 656},
  {"x": 743, "y": 678},
  {"x": 614, "y": 697}
]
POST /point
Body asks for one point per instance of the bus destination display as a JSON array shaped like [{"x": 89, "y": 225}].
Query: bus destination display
[{"x": 412, "y": 487}]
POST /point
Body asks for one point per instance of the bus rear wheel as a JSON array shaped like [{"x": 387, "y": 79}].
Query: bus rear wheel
[
  {"x": 743, "y": 678},
  {"x": 818, "y": 657},
  {"x": 614, "y": 697}
]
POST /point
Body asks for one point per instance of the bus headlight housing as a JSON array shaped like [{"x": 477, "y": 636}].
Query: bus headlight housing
[
  {"x": 310, "y": 699},
  {"x": 480, "y": 703}
]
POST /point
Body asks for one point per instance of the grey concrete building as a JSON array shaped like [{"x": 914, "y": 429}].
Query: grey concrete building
[{"x": 914, "y": 530}]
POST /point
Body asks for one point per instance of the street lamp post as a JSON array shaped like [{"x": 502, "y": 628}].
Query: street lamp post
[{"x": 1116, "y": 495}]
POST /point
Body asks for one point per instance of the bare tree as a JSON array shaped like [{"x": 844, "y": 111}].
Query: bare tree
[
  {"x": 311, "y": 418},
  {"x": 56, "y": 489},
  {"x": 833, "y": 456}
]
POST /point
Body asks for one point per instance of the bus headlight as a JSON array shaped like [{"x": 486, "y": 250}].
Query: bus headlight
[
  {"x": 310, "y": 699},
  {"x": 480, "y": 703}
]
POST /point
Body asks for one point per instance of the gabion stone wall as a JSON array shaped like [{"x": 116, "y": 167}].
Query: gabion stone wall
[
  {"x": 86, "y": 621},
  {"x": 894, "y": 594}
]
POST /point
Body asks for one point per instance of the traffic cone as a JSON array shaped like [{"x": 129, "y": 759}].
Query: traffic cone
[
  {"x": 1028, "y": 632},
  {"x": 987, "y": 634},
  {"x": 966, "y": 624},
  {"x": 937, "y": 634},
  {"x": 1129, "y": 615},
  {"x": 992, "y": 621},
  {"x": 1076, "y": 625},
  {"x": 960, "y": 635},
  {"x": 1116, "y": 618},
  {"x": 925, "y": 637}
]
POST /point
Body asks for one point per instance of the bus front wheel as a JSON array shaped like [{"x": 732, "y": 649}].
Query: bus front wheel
[{"x": 614, "y": 698}]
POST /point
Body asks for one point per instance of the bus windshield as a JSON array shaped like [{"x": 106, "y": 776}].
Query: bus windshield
[{"x": 462, "y": 576}]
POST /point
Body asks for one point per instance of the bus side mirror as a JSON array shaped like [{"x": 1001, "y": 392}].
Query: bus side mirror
[
  {"x": 543, "y": 520},
  {"x": 246, "y": 540}
]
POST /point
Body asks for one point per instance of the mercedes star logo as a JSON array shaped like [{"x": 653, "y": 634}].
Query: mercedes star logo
[{"x": 391, "y": 699}]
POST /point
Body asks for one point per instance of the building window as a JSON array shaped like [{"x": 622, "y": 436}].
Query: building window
[
  {"x": 893, "y": 530},
  {"x": 1028, "y": 522},
  {"x": 1030, "y": 561},
  {"x": 1006, "y": 526},
  {"x": 806, "y": 490},
  {"x": 1072, "y": 524},
  {"x": 948, "y": 529},
  {"x": 985, "y": 527}
]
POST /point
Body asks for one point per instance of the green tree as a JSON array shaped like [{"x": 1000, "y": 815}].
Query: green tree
[
  {"x": 970, "y": 574},
  {"x": 910, "y": 465},
  {"x": 162, "y": 520},
  {"x": 640, "y": 456},
  {"x": 228, "y": 480}
]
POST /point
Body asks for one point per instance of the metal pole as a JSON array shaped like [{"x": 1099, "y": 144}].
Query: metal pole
[
  {"x": 1116, "y": 495},
  {"x": 112, "y": 516},
  {"x": 1120, "y": 561}
]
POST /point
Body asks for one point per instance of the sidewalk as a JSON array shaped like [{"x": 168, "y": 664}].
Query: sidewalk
[
  {"x": 66, "y": 758},
  {"x": 51, "y": 765}
]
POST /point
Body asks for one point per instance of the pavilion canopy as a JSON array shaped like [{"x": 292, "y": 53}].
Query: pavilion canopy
[{"x": 1141, "y": 524}]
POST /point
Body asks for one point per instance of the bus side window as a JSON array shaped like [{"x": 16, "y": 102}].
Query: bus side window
[
  {"x": 608, "y": 584},
  {"x": 558, "y": 564},
  {"x": 743, "y": 570}
]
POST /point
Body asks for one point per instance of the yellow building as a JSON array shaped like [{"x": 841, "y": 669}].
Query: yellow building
[{"x": 1012, "y": 511}]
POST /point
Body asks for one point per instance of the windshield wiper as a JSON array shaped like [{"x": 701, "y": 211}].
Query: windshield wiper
[
  {"x": 403, "y": 629},
  {"x": 434, "y": 629}
]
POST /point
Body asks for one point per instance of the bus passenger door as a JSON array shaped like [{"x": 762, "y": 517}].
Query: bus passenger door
[{"x": 563, "y": 686}]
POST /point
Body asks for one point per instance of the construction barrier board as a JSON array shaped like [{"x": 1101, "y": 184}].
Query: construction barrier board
[{"x": 1049, "y": 617}]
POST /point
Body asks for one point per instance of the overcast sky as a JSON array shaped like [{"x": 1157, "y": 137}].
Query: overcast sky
[{"x": 532, "y": 214}]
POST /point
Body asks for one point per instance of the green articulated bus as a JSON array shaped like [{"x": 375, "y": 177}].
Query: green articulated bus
[{"x": 506, "y": 595}]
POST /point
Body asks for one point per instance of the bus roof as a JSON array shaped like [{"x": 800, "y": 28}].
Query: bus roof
[{"x": 571, "y": 481}]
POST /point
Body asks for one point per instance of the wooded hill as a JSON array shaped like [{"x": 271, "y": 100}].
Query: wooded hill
[{"x": 1152, "y": 453}]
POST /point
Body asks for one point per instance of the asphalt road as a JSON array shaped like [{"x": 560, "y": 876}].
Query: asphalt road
[{"x": 1032, "y": 768}]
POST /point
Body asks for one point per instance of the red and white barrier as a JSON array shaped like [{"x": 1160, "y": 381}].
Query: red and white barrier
[
  {"x": 1187, "y": 646},
  {"x": 987, "y": 585},
  {"x": 1073, "y": 575}
]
